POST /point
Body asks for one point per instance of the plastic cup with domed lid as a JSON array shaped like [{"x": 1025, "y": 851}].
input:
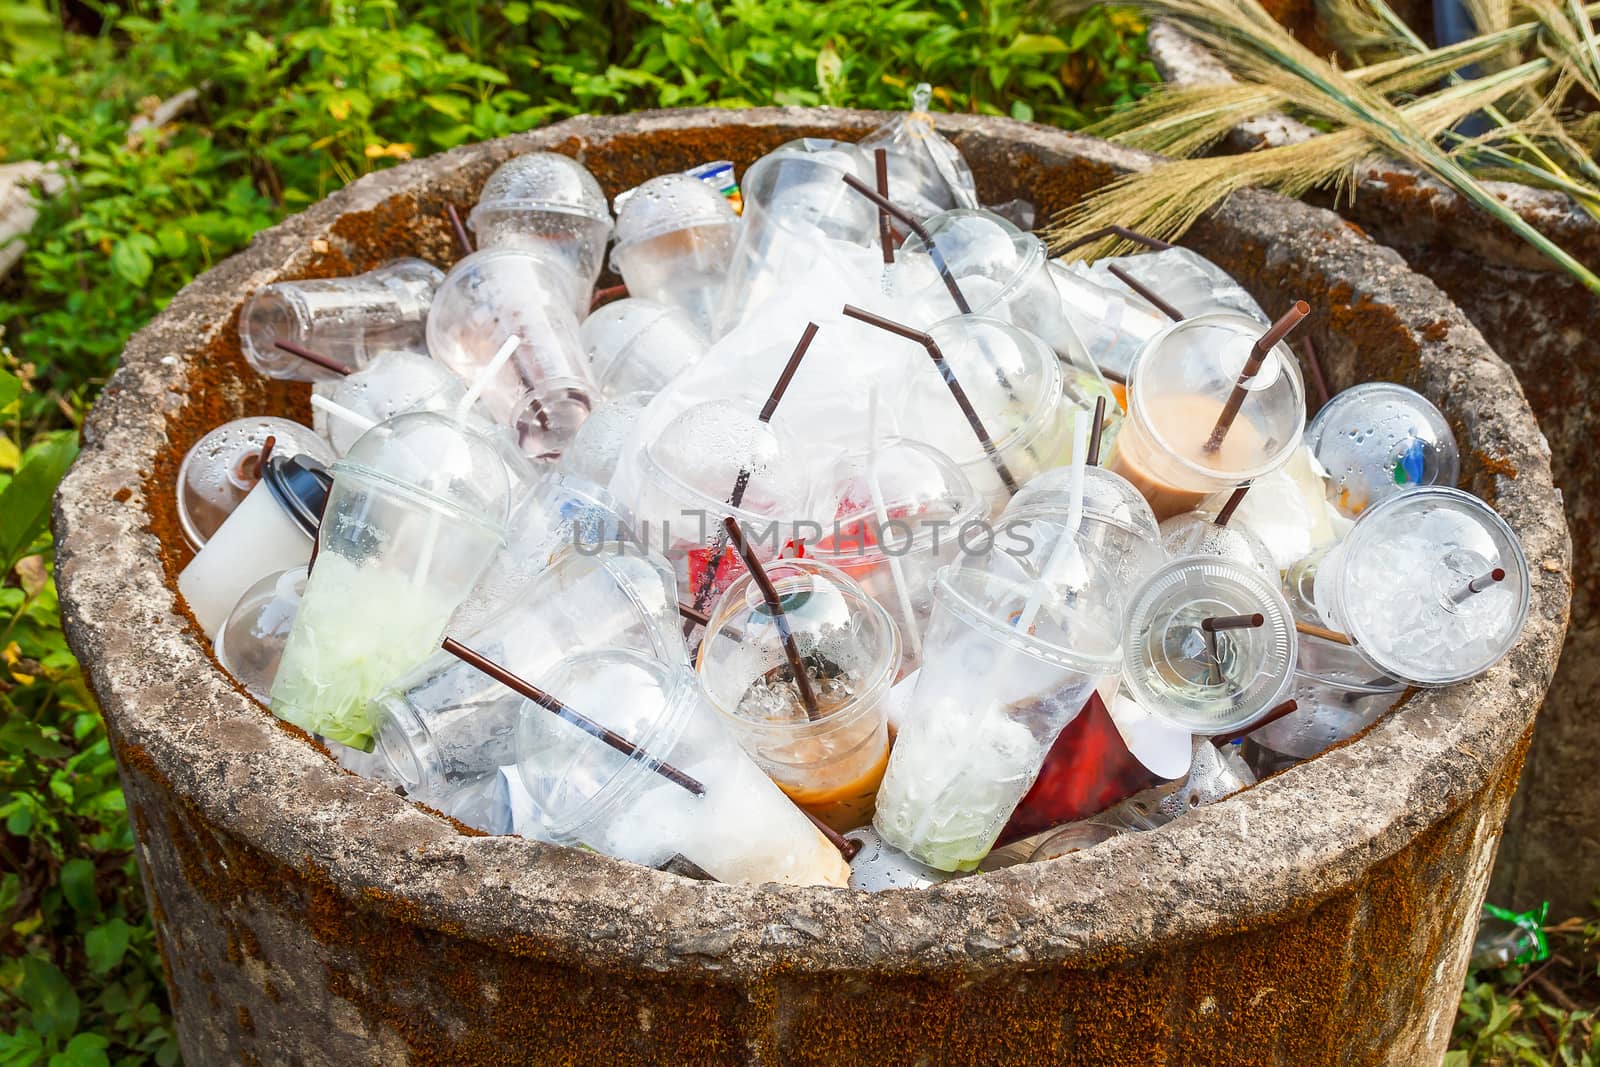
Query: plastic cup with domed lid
[
  {"x": 250, "y": 643},
  {"x": 491, "y": 297},
  {"x": 741, "y": 828},
  {"x": 1431, "y": 586},
  {"x": 221, "y": 469},
  {"x": 1117, "y": 528},
  {"x": 1195, "y": 533},
  {"x": 1179, "y": 391},
  {"x": 795, "y": 201},
  {"x": 548, "y": 204},
  {"x": 991, "y": 697},
  {"x": 1013, "y": 384},
  {"x": 595, "y": 451},
  {"x": 828, "y": 757},
  {"x": 1208, "y": 645},
  {"x": 718, "y": 459},
  {"x": 901, "y": 511},
  {"x": 636, "y": 345},
  {"x": 273, "y": 530},
  {"x": 1377, "y": 439},
  {"x": 675, "y": 241},
  {"x": 348, "y": 320},
  {"x": 393, "y": 383},
  {"x": 447, "y": 723},
  {"x": 417, "y": 510}
]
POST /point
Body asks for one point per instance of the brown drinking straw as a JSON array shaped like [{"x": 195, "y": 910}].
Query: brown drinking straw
[
  {"x": 1145, "y": 291},
  {"x": 266, "y": 449},
  {"x": 1478, "y": 585},
  {"x": 325, "y": 362},
  {"x": 1313, "y": 630},
  {"x": 688, "y": 614},
  {"x": 1211, "y": 624},
  {"x": 791, "y": 651},
  {"x": 1314, "y": 365},
  {"x": 847, "y": 848},
  {"x": 1114, "y": 231},
  {"x": 1266, "y": 720},
  {"x": 1234, "y": 500},
  {"x": 1258, "y": 355},
  {"x": 916, "y": 227},
  {"x": 960, "y": 394},
  {"x": 880, "y": 161},
  {"x": 578, "y": 719},
  {"x": 462, "y": 239},
  {"x": 1092, "y": 457},
  {"x": 606, "y": 295}
]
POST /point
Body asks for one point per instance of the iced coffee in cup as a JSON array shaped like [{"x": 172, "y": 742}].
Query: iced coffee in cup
[
  {"x": 738, "y": 828},
  {"x": 829, "y": 759},
  {"x": 1179, "y": 391}
]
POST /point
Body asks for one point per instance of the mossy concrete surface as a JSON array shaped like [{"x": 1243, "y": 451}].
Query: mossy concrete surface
[{"x": 308, "y": 916}]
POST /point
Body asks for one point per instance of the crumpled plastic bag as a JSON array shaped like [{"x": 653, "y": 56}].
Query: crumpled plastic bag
[{"x": 927, "y": 173}]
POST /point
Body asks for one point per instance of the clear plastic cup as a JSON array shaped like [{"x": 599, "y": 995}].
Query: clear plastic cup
[
  {"x": 1117, "y": 529},
  {"x": 675, "y": 241},
  {"x": 393, "y": 383},
  {"x": 1197, "y": 534},
  {"x": 250, "y": 644},
  {"x": 830, "y": 765},
  {"x": 1399, "y": 586},
  {"x": 795, "y": 200},
  {"x": 1076, "y": 837},
  {"x": 1178, "y": 387},
  {"x": 690, "y": 474},
  {"x": 990, "y": 700},
  {"x": 547, "y": 418},
  {"x": 349, "y": 320},
  {"x": 446, "y": 723},
  {"x": 1013, "y": 383},
  {"x": 491, "y": 296},
  {"x": 1112, "y": 325},
  {"x": 596, "y": 449},
  {"x": 273, "y": 530},
  {"x": 417, "y": 511},
  {"x": 1377, "y": 439},
  {"x": 221, "y": 468},
  {"x": 877, "y": 867},
  {"x": 635, "y": 345},
  {"x": 899, "y": 516},
  {"x": 548, "y": 204},
  {"x": 1207, "y": 683},
  {"x": 741, "y": 829},
  {"x": 1329, "y": 711},
  {"x": 1215, "y": 773},
  {"x": 1186, "y": 280}
]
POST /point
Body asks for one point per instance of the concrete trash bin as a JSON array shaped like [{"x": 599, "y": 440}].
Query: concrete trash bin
[{"x": 308, "y": 916}]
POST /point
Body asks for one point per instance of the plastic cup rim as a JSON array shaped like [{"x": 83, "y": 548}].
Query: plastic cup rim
[{"x": 946, "y": 593}]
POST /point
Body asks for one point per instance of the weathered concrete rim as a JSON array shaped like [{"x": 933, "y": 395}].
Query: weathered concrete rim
[{"x": 1278, "y": 849}]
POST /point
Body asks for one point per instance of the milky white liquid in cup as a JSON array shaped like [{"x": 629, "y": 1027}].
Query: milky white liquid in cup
[{"x": 1186, "y": 421}]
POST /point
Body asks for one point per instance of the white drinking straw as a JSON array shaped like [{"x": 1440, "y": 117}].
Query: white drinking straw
[
  {"x": 1066, "y": 548},
  {"x": 339, "y": 411},
  {"x": 896, "y": 570},
  {"x": 487, "y": 375}
]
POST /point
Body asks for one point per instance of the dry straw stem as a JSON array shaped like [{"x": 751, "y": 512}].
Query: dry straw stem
[{"x": 1167, "y": 200}]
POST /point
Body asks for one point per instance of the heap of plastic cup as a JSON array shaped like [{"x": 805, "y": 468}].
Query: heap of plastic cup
[
  {"x": 900, "y": 514},
  {"x": 595, "y": 451},
  {"x": 393, "y": 383},
  {"x": 551, "y": 206},
  {"x": 446, "y": 724},
  {"x": 1207, "y": 683},
  {"x": 250, "y": 643},
  {"x": 1413, "y": 586},
  {"x": 740, "y": 829},
  {"x": 634, "y": 345},
  {"x": 927, "y": 173},
  {"x": 273, "y": 530},
  {"x": 707, "y": 456},
  {"x": 1013, "y": 383},
  {"x": 1186, "y": 280},
  {"x": 1117, "y": 528},
  {"x": 417, "y": 511},
  {"x": 551, "y": 514},
  {"x": 1195, "y": 533},
  {"x": 675, "y": 240},
  {"x": 349, "y": 320},
  {"x": 795, "y": 200},
  {"x": 829, "y": 761},
  {"x": 492, "y": 296},
  {"x": 1004, "y": 670},
  {"x": 1378, "y": 439},
  {"x": 1178, "y": 387},
  {"x": 1338, "y": 695},
  {"x": 221, "y": 468}
]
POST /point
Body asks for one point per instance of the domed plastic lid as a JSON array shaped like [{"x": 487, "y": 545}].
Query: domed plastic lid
[
  {"x": 224, "y": 465},
  {"x": 1405, "y": 581},
  {"x": 542, "y": 181},
  {"x": 1182, "y": 378},
  {"x": 392, "y": 383},
  {"x": 575, "y": 779},
  {"x": 250, "y": 644},
  {"x": 710, "y": 447},
  {"x": 596, "y": 449},
  {"x": 801, "y": 183},
  {"x": 611, "y": 336},
  {"x": 1378, "y": 439},
  {"x": 1207, "y": 682},
  {"x": 434, "y": 460},
  {"x": 1195, "y": 534},
  {"x": 669, "y": 203},
  {"x": 905, "y": 495},
  {"x": 848, "y": 642},
  {"x": 1107, "y": 497},
  {"x": 986, "y": 253},
  {"x": 1076, "y": 625}
]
